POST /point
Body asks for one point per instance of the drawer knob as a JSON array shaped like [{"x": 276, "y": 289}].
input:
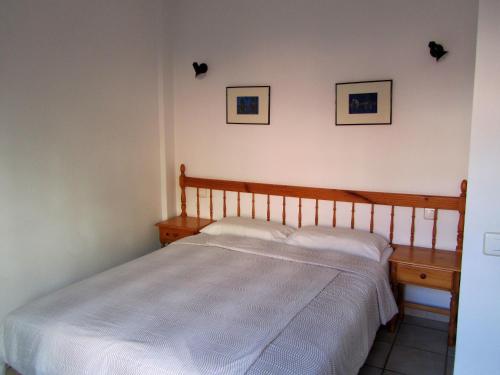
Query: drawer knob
[{"x": 423, "y": 276}]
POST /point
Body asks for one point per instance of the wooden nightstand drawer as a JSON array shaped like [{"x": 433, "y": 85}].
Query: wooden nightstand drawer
[
  {"x": 167, "y": 235},
  {"x": 425, "y": 277},
  {"x": 179, "y": 227}
]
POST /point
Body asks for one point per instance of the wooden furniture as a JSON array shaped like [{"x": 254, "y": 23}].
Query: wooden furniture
[
  {"x": 436, "y": 269},
  {"x": 334, "y": 195},
  {"x": 427, "y": 267},
  {"x": 179, "y": 227}
]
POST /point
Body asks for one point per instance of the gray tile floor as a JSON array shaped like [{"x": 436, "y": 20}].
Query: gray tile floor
[{"x": 417, "y": 347}]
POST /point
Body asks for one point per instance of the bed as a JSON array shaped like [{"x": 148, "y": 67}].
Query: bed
[{"x": 213, "y": 304}]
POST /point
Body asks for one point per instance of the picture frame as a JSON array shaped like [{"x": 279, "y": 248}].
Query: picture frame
[
  {"x": 363, "y": 103},
  {"x": 248, "y": 105}
]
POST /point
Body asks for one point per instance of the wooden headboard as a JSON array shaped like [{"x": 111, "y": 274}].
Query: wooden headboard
[{"x": 392, "y": 200}]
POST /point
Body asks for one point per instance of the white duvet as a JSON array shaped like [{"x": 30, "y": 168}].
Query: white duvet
[{"x": 207, "y": 305}]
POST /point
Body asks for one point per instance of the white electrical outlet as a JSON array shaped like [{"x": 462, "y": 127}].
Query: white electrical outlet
[
  {"x": 491, "y": 245},
  {"x": 203, "y": 193},
  {"x": 429, "y": 213}
]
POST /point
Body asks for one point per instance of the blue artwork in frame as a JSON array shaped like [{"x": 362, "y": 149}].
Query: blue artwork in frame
[
  {"x": 247, "y": 105},
  {"x": 363, "y": 103}
]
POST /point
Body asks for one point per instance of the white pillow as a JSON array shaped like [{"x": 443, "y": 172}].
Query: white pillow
[
  {"x": 247, "y": 227},
  {"x": 351, "y": 241},
  {"x": 386, "y": 254}
]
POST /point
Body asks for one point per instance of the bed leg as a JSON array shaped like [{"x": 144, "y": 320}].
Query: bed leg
[{"x": 393, "y": 323}]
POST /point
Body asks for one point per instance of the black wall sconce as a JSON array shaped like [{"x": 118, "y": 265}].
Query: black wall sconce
[
  {"x": 436, "y": 50},
  {"x": 200, "y": 68}
]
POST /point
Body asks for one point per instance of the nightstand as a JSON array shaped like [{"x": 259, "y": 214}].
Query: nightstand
[
  {"x": 436, "y": 269},
  {"x": 179, "y": 227}
]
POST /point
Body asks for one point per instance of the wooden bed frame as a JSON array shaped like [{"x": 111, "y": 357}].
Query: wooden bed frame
[
  {"x": 422, "y": 266},
  {"x": 334, "y": 195}
]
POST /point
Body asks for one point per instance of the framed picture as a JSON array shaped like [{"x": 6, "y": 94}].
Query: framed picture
[
  {"x": 363, "y": 103},
  {"x": 248, "y": 105}
]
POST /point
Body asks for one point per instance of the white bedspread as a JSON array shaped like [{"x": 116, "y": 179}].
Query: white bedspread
[{"x": 207, "y": 305}]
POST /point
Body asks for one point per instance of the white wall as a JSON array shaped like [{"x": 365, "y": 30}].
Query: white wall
[
  {"x": 301, "y": 49},
  {"x": 169, "y": 171},
  {"x": 478, "y": 345},
  {"x": 79, "y": 140}
]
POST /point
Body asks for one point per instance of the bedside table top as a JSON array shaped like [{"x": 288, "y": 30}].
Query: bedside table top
[
  {"x": 185, "y": 223},
  {"x": 422, "y": 256}
]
